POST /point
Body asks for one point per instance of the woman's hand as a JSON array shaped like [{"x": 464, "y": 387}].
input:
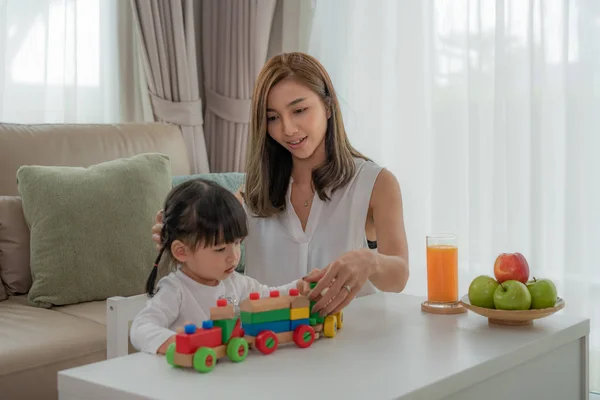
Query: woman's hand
[
  {"x": 157, "y": 228},
  {"x": 343, "y": 279}
]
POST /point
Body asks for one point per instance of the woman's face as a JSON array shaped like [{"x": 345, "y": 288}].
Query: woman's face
[{"x": 296, "y": 118}]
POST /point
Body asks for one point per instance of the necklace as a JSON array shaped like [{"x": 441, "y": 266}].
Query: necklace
[{"x": 307, "y": 201}]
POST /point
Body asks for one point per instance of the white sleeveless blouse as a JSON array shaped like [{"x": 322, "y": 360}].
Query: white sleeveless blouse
[{"x": 278, "y": 251}]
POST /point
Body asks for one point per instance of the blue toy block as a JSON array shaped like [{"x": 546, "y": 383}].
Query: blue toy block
[
  {"x": 297, "y": 322},
  {"x": 208, "y": 324},
  {"x": 277, "y": 327},
  {"x": 190, "y": 328}
]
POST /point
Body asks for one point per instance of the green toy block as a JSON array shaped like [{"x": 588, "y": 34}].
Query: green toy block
[
  {"x": 227, "y": 326},
  {"x": 265, "y": 316},
  {"x": 317, "y": 318}
]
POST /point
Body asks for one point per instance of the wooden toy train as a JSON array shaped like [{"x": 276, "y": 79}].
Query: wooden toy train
[{"x": 262, "y": 324}]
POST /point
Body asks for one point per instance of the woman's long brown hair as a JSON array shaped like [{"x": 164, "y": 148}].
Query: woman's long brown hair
[{"x": 268, "y": 164}]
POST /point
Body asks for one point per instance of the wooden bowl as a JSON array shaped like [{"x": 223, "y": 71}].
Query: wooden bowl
[{"x": 512, "y": 317}]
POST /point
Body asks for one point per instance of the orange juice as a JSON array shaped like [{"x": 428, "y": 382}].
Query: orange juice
[{"x": 442, "y": 273}]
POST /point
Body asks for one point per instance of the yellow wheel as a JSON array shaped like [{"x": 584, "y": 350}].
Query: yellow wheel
[
  {"x": 340, "y": 319},
  {"x": 330, "y": 326}
]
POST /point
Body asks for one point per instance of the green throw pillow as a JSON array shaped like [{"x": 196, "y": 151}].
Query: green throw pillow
[
  {"x": 90, "y": 227},
  {"x": 229, "y": 180}
]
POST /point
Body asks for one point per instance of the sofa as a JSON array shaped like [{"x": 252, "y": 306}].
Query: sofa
[{"x": 37, "y": 342}]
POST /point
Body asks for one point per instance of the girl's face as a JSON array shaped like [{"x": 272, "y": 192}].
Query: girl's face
[
  {"x": 208, "y": 265},
  {"x": 297, "y": 119}
]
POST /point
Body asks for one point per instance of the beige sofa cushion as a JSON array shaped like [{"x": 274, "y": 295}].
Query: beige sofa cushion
[
  {"x": 82, "y": 145},
  {"x": 14, "y": 246},
  {"x": 93, "y": 310},
  {"x": 89, "y": 227},
  {"x": 33, "y": 337}
]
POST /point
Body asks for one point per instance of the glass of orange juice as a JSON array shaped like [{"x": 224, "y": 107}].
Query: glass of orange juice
[{"x": 442, "y": 274}]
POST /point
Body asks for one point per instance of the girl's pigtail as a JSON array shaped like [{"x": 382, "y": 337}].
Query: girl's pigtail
[{"x": 152, "y": 278}]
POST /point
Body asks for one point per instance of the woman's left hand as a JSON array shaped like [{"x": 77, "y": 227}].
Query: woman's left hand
[{"x": 343, "y": 279}]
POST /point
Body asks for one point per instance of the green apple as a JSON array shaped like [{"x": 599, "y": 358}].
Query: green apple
[
  {"x": 481, "y": 291},
  {"x": 512, "y": 295},
  {"x": 543, "y": 293}
]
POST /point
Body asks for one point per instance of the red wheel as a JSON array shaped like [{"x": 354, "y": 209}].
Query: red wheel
[
  {"x": 304, "y": 336},
  {"x": 266, "y": 342}
]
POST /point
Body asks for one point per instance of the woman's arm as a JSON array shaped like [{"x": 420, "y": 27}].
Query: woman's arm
[
  {"x": 390, "y": 271},
  {"x": 387, "y": 268}
]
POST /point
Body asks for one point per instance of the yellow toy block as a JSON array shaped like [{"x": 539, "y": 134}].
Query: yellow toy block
[{"x": 299, "y": 313}]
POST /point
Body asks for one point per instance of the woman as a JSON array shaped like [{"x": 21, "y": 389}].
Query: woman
[{"x": 312, "y": 200}]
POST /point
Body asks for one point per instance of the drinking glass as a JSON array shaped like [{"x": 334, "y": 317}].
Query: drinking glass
[{"x": 442, "y": 274}]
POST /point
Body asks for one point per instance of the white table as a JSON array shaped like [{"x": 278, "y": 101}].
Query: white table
[{"x": 387, "y": 349}]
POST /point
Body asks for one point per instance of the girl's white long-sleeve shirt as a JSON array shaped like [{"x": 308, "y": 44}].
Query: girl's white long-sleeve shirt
[{"x": 179, "y": 299}]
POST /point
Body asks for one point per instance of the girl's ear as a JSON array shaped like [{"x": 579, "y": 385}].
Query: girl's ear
[{"x": 180, "y": 251}]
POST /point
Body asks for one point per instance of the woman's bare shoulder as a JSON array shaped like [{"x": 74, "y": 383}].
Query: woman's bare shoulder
[{"x": 386, "y": 189}]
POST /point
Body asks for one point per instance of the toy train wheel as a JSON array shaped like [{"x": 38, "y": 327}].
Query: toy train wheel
[
  {"x": 204, "y": 359},
  {"x": 304, "y": 336},
  {"x": 340, "y": 319},
  {"x": 237, "y": 349},
  {"x": 330, "y": 326},
  {"x": 170, "y": 355},
  {"x": 266, "y": 342}
]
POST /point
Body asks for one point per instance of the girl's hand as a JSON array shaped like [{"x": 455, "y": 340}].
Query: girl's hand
[
  {"x": 163, "y": 347},
  {"x": 303, "y": 285},
  {"x": 343, "y": 279},
  {"x": 157, "y": 228}
]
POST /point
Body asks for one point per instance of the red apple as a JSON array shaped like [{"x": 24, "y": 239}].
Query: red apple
[{"x": 511, "y": 266}]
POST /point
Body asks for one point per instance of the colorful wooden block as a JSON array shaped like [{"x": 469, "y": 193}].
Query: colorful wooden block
[
  {"x": 299, "y": 313},
  {"x": 254, "y": 304},
  {"x": 227, "y": 326},
  {"x": 255, "y": 329},
  {"x": 188, "y": 342},
  {"x": 297, "y": 322},
  {"x": 318, "y": 319},
  {"x": 265, "y": 316},
  {"x": 300, "y": 302},
  {"x": 222, "y": 311}
]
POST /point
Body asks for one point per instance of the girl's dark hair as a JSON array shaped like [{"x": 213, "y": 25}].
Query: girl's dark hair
[{"x": 199, "y": 212}]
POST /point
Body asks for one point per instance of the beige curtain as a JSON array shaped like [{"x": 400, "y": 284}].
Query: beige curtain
[
  {"x": 169, "y": 53},
  {"x": 235, "y": 39}
]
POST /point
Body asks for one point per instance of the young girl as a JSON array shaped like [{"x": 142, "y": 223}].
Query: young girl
[{"x": 204, "y": 225}]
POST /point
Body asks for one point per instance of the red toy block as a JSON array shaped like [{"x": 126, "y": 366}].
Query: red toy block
[
  {"x": 189, "y": 343},
  {"x": 183, "y": 343},
  {"x": 221, "y": 302},
  {"x": 294, "y": 292},
  {"x": 237, "y": 330},
  {"x": 274, "y": 293},
  {"x": 254, "y": 296}
]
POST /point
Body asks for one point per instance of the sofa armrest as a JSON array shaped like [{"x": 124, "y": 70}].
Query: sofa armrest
[{"x": 120, "y": 311}]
